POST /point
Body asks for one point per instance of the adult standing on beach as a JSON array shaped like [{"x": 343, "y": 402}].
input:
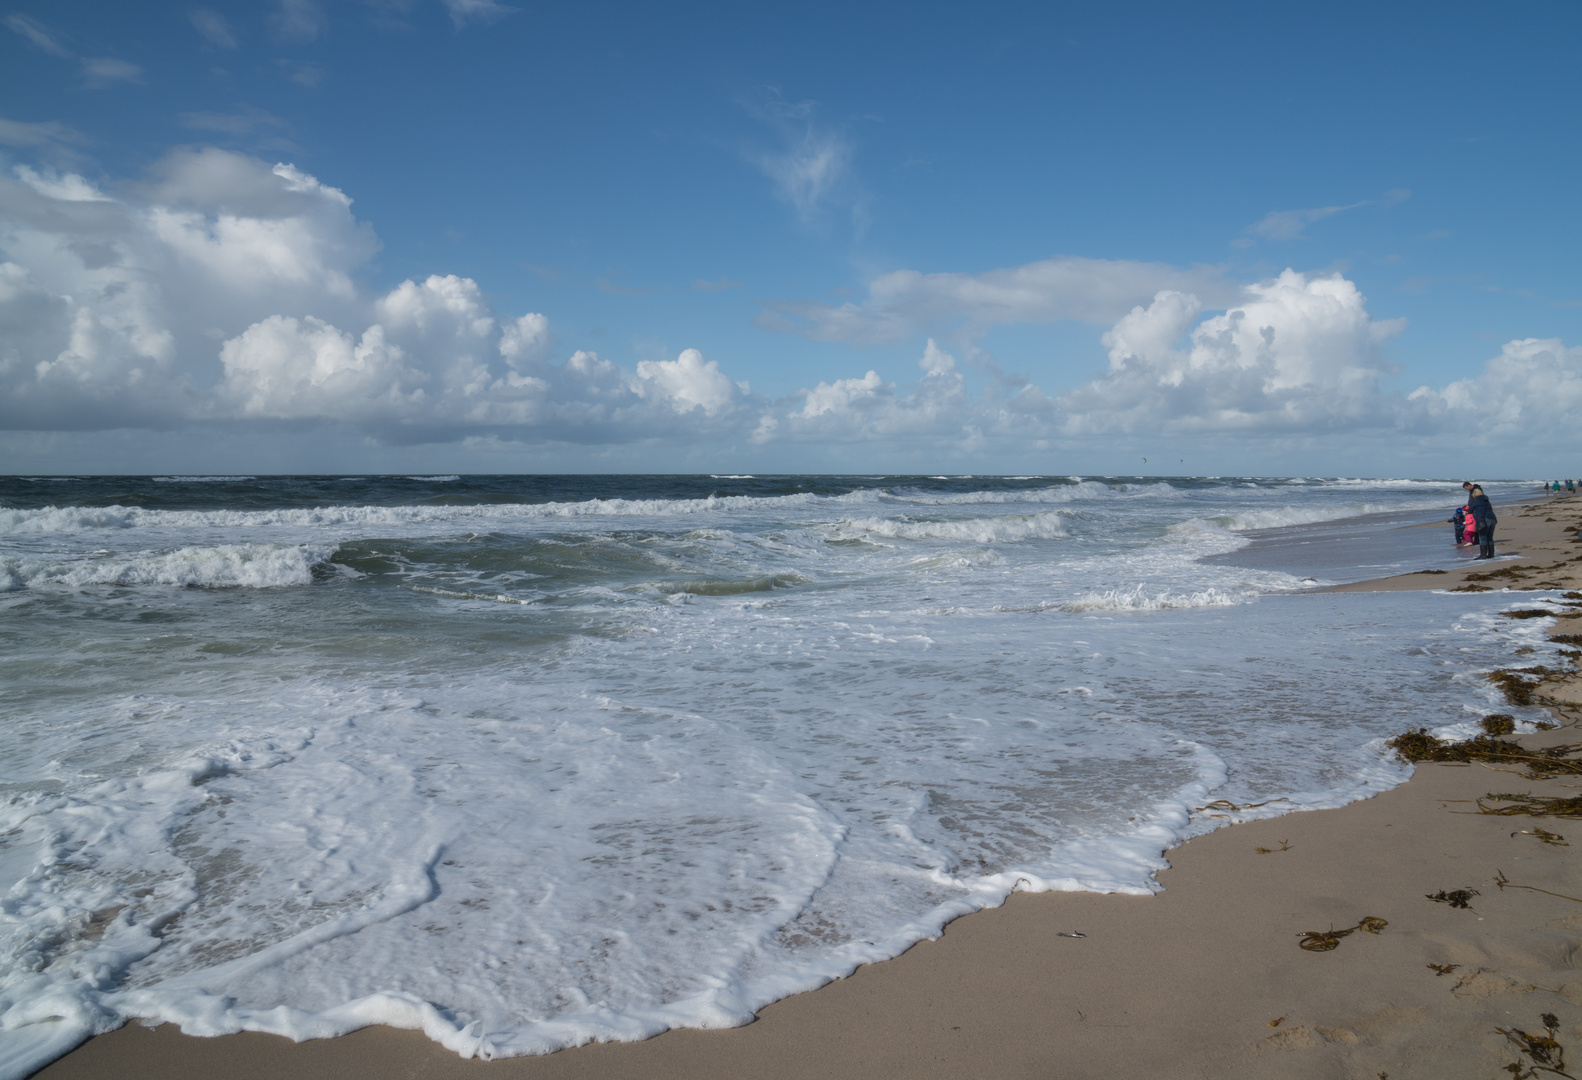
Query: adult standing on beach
[{"x": 1483, "y": 515}]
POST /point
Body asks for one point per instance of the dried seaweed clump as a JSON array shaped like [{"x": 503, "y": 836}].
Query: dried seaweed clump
[
  {"x": 1498, "y": 724},
  {"x": 1530, "y": 805},
  {"x": 1419, "y": 745},
  {"x": 1460, "y": 898},
  {"x": 1544, "y": 1053},
  {"x": 1518, "y": 684},
  {"x": 1329, "y": 940}
]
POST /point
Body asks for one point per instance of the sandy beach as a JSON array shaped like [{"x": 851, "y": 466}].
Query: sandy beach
[{"x": 1205, "y": 979}]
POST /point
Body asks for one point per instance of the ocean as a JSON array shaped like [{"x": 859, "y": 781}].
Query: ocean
[{"x": 529, "y": 761}]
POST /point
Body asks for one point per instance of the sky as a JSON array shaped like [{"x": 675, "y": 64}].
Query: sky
[{"x": 333, "y": 236}]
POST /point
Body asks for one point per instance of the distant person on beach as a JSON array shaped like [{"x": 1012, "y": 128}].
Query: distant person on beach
[
  {"x": 1483, "y": 516},
  {"x": 1570, "y": 488}
]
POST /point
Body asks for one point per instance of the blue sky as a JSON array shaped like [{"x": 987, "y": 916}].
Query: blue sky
[{"x": 997, "y": 238}]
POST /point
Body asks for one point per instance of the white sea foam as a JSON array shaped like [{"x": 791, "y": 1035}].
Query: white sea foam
[
  {"x": 201, "y": 479},
  {"x": 690, "y": 757},
  {"x": 1284, "y": 516},
  {"x": 1141, "y": 598},
  {"x": 252, "y": 566},
  {"x": 994, "y": 530}
]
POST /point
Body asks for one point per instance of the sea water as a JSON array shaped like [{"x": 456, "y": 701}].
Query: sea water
[{"x": 526, "y": 762}]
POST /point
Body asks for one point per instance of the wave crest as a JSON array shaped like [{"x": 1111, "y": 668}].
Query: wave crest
[
  {"x": 1009, "y": 529},
  {"x": 1139, "y": 599},
  {"x": 247, "y": 566}
]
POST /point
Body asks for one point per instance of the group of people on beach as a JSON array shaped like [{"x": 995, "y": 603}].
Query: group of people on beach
[
  {"x": 1474, "y": 522},
  {"x": 1553, "y": 487}
]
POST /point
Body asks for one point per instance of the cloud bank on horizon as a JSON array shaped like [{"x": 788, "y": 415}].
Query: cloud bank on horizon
[{"x": 222, "y": 289}]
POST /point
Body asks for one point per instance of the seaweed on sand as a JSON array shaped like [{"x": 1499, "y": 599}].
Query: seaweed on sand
[
  {"x": 1419, "y": 745},
  {"x": 1329, "y": 940},
  {"x": 1518, "y": 684},
  {"x": 1530, "y": 805},
  {"x": 1544, "y": 1053},
  {"x": 1498, "y": 724},
  {"x": 1460, "y": 898}
]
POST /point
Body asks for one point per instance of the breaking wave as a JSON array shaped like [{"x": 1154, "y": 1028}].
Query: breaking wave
[
  {"x": 999, "y": 530},
  {"x": 1140, "y": 599},
  {"x": 248, "y": 566}
]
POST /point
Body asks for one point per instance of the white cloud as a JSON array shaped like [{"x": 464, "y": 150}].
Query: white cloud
[
  {"x": 905, "y": 303},
  {"x": 854, "y": 410},
  {"x": 526, "y": 340},
  {"x": 226, "y": 289},
  {"x": 812, "y": 167},
  {"x": 127, "y": 291},
  {"x": 213, "y": 27},
  {"x": 443, "y": 306},
  {"x": 64, "y": 187},
  {"x": 222, "y": 289},
  {"x": 1533, "y": 389},
  {"x": 467, "y": 12},
  {"x": 20, "y": 133},
  {"x": 807, "y": 172},
  {"x": 1298, "y": 354},
  {"x": 1288, "y": 224},
  {"x": 244, "y": 120},
  {"x": 99, "y": 72},
  {"x": 688, "y": 382},
  {"x": 299, "y": 21},
  {"x": 842, "y": 395},
  {"x": 285, "y": 368},
  {"x": 37, "y": 34}
]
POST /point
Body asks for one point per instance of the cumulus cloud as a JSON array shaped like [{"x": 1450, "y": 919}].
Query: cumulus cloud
[
  {"x": 1532, "y": 389},
  {"x": 688, "y": 382},
  {"x": 225, "y": 290},
  {"x": 1298, "y": 353},
  {"x": 905, "y": 303},
  {"x": 222, "y": 288},
  {"x": 937, "y": 406},
  {"x": 283, "y": 368}
]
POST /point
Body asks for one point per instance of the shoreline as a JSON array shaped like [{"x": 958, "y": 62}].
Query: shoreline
[{"x": 1202, "y": 979}]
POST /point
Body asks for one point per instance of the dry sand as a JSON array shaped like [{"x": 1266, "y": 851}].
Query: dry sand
[{"x": 1205, "y": 979}]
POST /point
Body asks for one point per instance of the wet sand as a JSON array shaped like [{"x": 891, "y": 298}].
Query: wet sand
[{"x": 1205, "y": 979}]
